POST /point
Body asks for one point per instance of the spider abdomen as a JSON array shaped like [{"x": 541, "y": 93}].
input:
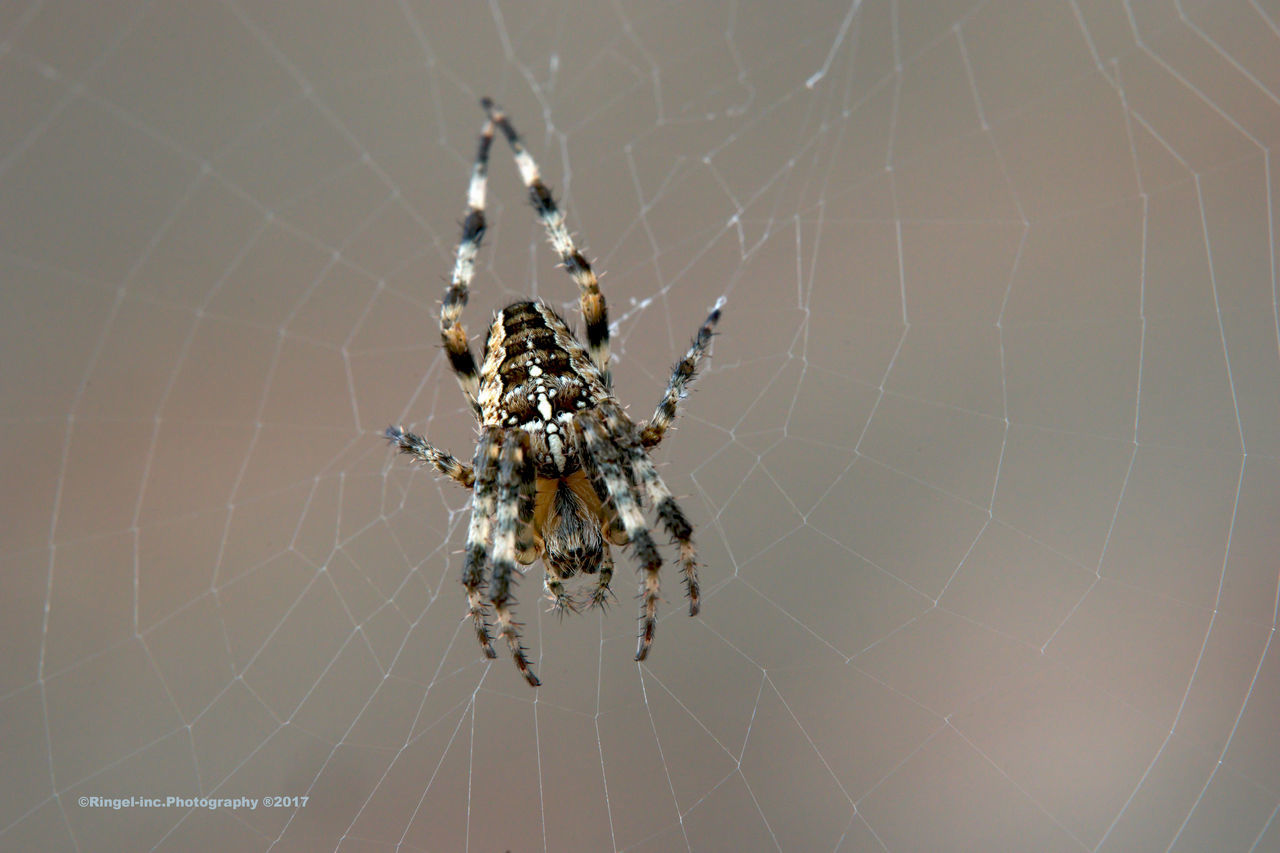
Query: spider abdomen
[{"x": 537, "y": 377}]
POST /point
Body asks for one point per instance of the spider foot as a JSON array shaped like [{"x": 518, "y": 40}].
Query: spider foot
[
  {"x": 646, "y": 640},
  {"x": 692, "y": 589},
  {"x": 649, "y": 610},
  {"x": 476, "y": 611},
  {"x": 561, "y": 601},
  {"x": 522, "y": 661},
  {"x": 601, "y": 597},
  {"x": 408, "y": 443},
  {"x": 485, "y": 642},
  {"x": 509, "y": 630},
  {"x": 562, "y": 604},
  {"x": 648, "y": 627}
]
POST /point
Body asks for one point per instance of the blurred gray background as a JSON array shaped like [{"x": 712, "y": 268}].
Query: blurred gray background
[{"x": 985, "y": 467}]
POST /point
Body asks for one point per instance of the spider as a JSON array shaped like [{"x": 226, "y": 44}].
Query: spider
[{"x": 560, "y": 471}]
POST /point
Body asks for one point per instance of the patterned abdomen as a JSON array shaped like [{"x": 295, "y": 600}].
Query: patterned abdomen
[{"x": 535, "y": 376}]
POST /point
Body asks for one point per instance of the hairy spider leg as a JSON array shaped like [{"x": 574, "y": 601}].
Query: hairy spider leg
[
  {"x": 412, "y": 444},
  {"x": 514, "y": 469},
  {"x": 685, "y": 371},
  {"x": 660, "y": 498},
  {"x": 464, "y": 271},
  {"x": 590, "y": 298},
  {"x": 480, "y": 531},
  {"x": 604, "y": 456}
]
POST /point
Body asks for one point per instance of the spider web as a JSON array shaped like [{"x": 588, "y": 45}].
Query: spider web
[{"x": 985, "y": 466}]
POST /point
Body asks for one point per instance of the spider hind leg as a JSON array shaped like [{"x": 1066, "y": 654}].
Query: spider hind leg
[
  {"x": 610, "y": 468},
  {"x": 660, "y": 498}
]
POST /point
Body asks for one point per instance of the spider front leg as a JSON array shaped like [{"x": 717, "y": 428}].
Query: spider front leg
[
  {"x": 514, "y": 471},
  {"x": 684, "y": 373},
  {"x": 590, "y": 299},
  {"x": 464, "y": 270}
]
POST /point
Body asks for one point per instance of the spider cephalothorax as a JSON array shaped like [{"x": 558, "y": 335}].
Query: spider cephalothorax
[{"x": 560, "y": 471}]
